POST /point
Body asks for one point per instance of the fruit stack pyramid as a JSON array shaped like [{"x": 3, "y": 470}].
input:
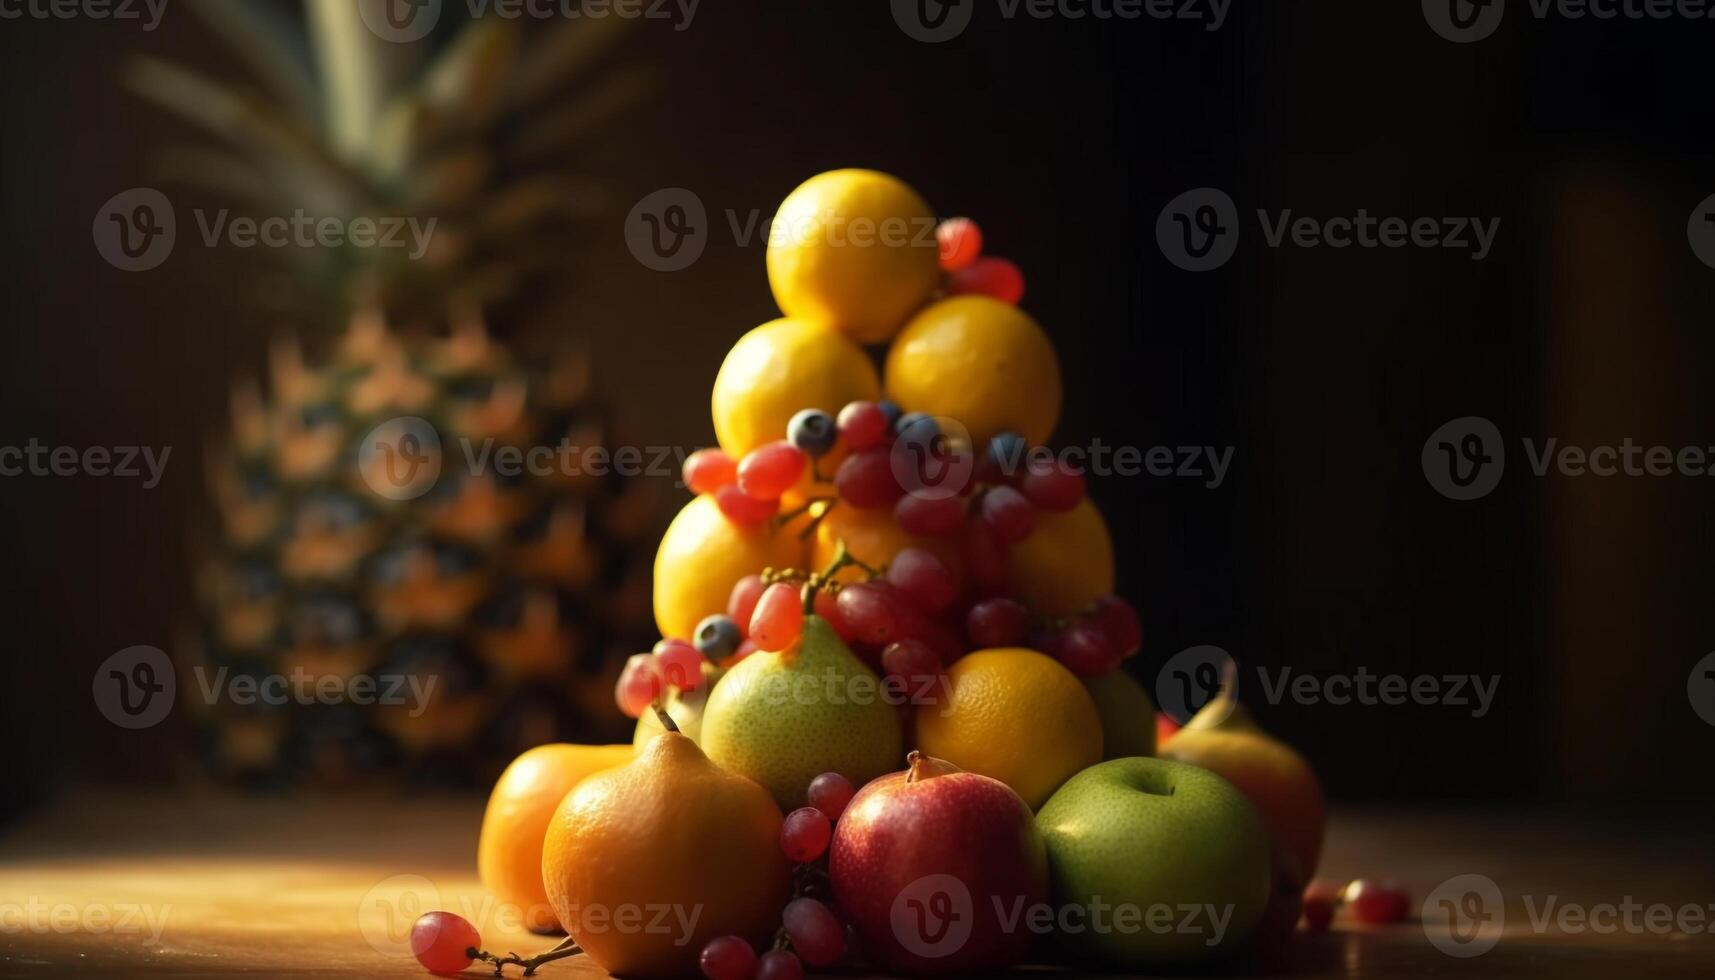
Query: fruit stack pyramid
[{"x": 887, "y": 726}]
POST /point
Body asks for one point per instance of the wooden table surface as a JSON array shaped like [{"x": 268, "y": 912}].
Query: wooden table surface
[{"x": 215, "y": 886}]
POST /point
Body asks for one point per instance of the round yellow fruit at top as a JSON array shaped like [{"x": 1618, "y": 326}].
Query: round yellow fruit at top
[
  {"x": 1017, "y": 716},
  {"x": 703, "y": 555},
  {"x": 984, "y": 363},
  {"x": 1067, "y": 564},
  {"x": 779, "y": 369},
  {"x": 856, "y": 249}
]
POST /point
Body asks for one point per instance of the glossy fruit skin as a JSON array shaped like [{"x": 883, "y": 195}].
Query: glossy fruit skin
[
  {"x": 771, "y": 469},
  {"x": 1374, "y": 903},
  {"x": 824, "y": 266},
  {"x": 813, "y": 431},
  {"x": 744, "y": 510},
  {"x": 441, "y": 941},
  {"x": 1067, "y": 564},
  {"x": 1054, "y": 486},
  {"x": 980, "y": 361},
  {"x": 779, "y": 964},
  {"x": 1016, "y": 715},
  {"x": 1151, "y": 832},
  {"x": 780, "y": 369},
  {"x": 866, "y": 480},
  {"x": 778, "y": 618},
  {"x": 1086, "y": 650},
  {"x": 863, "y": 424},
  {"x": 961, "y": 242},
  {"x": 639, "y": 837},
  {"x": 804, "y": 836},
  {"x": 509, "y": 848},
  {"x": 684, "y": 707},
  {"x": 1271, "y": 774},
  {"x": 875, "y": 538},
  {"x": 728, "y": 958},
  {"x": 990, "y": 276},
  {"x": 700, "y": 558},
  {"x": 1128, "y": 715},
  {"x": 897, "y": 831},
  {"x": 773, "y": 720},
  {"x": 1010, "y": 513},
  {"x": 718, "y": 636},
  {"x": 997, "y": 623},
  {"x": 707, "y": 470},
  {"x": 816, "y": 934},
  {"x": 681, "y": 664},
  {"x": 830, "y": 793}
]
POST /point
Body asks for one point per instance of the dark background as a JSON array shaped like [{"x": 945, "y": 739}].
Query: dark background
[{"x": 1326, "y": 549}]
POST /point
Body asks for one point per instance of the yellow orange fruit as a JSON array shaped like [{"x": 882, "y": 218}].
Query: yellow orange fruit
[
  {"x": 873, "y": 537},
  {"x": 703, "y": 555},
  {"x": 1067, "y": 564},
  {"x": 855, "y": 249},
  {"x": 509, "y": 849},
  {"x": 984, "y": 363},
  {"x": 646, "y": 863},
  {"x": 780, "y": 368},
  {"x": 1014, "y": 715}
]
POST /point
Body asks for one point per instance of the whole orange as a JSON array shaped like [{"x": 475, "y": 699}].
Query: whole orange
[
  {"x": 509, "y": 850},
  {"x": 646, "y": 863}
]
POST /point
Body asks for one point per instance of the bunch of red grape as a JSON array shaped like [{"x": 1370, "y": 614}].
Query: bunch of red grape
[
  {"x": 968, "y": 270},
  {"x": 810, "y": 931}
]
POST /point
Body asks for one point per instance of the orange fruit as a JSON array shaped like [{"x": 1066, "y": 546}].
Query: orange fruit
[
  {"x": 1014, "y": 715},
  {"x": 855, "y": 249},
  {"x": 1067, "y": 564},
  {"x": 779, "y": 369},
  {"x": 981, "y": 362},
  {"x": 509, "y": 849},
  {"x": 703, "y": 555},
  {"x": 646, "y": 863},
  {"x": 873, "y": 537}
]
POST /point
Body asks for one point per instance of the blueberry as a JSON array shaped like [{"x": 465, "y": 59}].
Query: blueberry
[
  {"x": 717, "y": 637},
  {"x": 889, "y": 411},
  {"x": 922, "y": 426},
  {"x": 1006, "y": 453},
  {"x": 813, "y": 431}
]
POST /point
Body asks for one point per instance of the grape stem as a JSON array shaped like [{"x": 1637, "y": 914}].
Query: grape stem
[
  {"x": 567, "y": 948},
  {"x": 821, "y": 580}
]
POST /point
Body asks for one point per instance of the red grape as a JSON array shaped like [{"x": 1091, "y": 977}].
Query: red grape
[
  {"x": 804, "y": 834},
  {"x": 742, "y": 603},
  {"x": 815, "y": 933},
  {"x": 828, "y": 607},
  {"x": 985, "y": 557},
  {"x": 1377, "y": 904},
  {"x": 997, "y": 623},
  {"x": 961, "y": 241},
  {"x": 707, "y": 470},
  {"x": 1118, "y": 619},
  {"x": 867, "y": 612},
  {"x": 728, "y": 958},
  {"x": 830, "y": 792},
  {"x": 779, "y": 964},
  {"x": 1318, "y": 913},
  {"x": 679, "y": 664},
  {"x": 743, "y": 509},
  {"x": 1054, "y": 486},
  {"x": 779, "y": 617},
  {"x": 989, "y": 276},
  {"x": 1086, "y": 650},
  {"x": 862, "y": 425},
  {"x": 1010, "y": 514},
  {"x": 638, "y": 686},
  {"x": 912, "y": 661},
  {"x": 929, "y": 516},
  {"x": 745, "y": 649},
  {"x": 866, "y": 481},
  {"x": 442, "y": 941},
  {"x": 768, "y": 471},
  {"x": 924, "y": 578}
]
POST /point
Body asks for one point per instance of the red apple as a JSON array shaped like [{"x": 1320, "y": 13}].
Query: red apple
[{"x": 939, "y": 869}]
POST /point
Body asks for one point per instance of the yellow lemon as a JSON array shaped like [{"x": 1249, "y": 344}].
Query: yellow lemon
[
  {"x": 703, "y": 555},
  {"x": 1067, "y": 564},
  {"x": 872, "y": 537},
  {"x": 1014, "y": 715},
  {"x": 856, "y": 249},
  {"x": 981, "y": 362},
  {"x": 777, "y": 370}
]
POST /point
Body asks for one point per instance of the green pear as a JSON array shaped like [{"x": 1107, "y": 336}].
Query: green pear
[
  {"x": 1128, "y": 715},
  {"x": 1174, "y": 857},
  {"x": 782, "y": 719}
]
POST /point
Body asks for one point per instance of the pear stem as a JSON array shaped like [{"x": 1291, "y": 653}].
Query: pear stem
[{"x": 666, "y": 719}]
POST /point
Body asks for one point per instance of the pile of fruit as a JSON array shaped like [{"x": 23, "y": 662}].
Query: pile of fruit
[{"x": 887, "y": 725}]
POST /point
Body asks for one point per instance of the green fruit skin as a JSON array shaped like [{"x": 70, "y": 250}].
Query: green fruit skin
[
  {"x": 1128, "y": 716},
  {"x": 1151, "y": 832},
  {"x": 782, "y": 719}
]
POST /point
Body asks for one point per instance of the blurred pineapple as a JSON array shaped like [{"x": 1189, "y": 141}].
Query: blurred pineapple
[{"x": 514, "y": 593}]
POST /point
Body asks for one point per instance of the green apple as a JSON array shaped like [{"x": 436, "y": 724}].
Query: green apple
[
  {"x": 1128, "y": 716},
  {"x": 1154, "y": 864}
]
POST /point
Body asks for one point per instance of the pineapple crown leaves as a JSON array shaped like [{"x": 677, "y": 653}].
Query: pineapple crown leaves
[{"x": 478, "y": 132}]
